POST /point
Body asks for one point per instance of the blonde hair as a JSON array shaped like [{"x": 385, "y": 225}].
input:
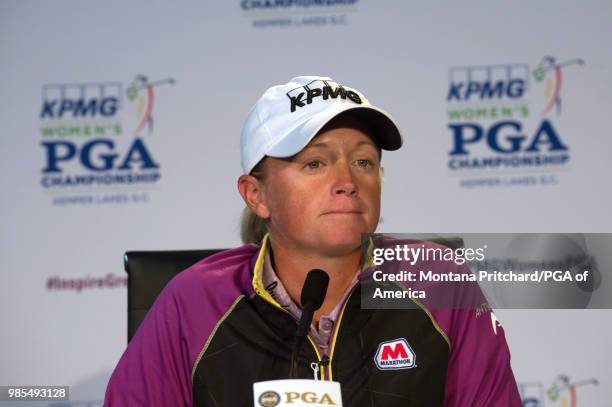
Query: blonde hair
[{"x": 252, "y": 227}]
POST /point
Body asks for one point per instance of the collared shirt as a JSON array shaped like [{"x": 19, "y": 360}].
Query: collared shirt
[{"x": 321, "y": 334}]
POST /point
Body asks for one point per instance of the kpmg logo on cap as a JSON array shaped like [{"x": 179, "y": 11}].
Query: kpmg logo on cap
[
  {"x": 305, "y": 95},
  {"x": 496, "y": 140}
]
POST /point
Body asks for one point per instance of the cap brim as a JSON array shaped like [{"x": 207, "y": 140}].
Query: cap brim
[{"x": 386, "y": 133}]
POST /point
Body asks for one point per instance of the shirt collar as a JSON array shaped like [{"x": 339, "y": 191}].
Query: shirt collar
[{"x": 276, "y": 290}]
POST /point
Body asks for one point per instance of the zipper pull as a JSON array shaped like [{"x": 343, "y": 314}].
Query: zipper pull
[
  {"x": 315, "y": 368},
  {"x": 324, "y": 361}
]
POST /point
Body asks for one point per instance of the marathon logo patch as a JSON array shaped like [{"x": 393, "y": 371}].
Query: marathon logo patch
[
  {"x": 394, "y": 355},
  {"x": 305, "y": 95}
]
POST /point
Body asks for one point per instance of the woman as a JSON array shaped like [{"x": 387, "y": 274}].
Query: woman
[{"x": 311, "y": 154}]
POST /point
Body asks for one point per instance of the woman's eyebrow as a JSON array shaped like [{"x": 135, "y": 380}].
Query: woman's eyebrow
[
  {"x": 366, "y": 143},
  {"x": 318, "y": 144},
  {"x": 324, "y": 144}
]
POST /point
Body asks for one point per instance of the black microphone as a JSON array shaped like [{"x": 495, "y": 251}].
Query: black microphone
[{"x": 313, "y": 294}]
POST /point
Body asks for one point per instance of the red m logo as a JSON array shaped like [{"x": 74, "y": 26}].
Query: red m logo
[
  {"x": 394, "y": 351},
  {"x": 395, "y": 354}
]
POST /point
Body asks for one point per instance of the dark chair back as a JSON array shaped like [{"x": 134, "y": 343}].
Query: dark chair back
[{"x": 148, "y": 273}]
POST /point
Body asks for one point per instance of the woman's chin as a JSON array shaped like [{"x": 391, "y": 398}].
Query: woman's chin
[{"x": 342, "y": 240}]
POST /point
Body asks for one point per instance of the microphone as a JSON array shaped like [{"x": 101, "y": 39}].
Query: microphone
[{"x": 313, "y": 294}]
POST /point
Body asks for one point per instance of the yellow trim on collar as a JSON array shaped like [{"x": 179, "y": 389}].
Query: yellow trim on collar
[
  {"x": 337, "y": 329},
  {"x": 258, "y": 271}
]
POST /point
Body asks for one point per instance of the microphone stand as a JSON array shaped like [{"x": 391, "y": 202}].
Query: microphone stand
[{"x": 300, "y": 335}]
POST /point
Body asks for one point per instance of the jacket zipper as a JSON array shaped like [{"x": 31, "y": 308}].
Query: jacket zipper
[
  {"x": 314, "y": 346},
  {"x": 323, "y": 363},
  {"x": 326, "y": 363}
]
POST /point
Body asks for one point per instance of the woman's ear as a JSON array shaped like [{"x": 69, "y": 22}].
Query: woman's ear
[{"x": 253, "y": 193}]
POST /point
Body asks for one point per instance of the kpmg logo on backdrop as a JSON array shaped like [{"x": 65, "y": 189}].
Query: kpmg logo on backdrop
[
  {"x": 563, "y": 392},
  {"x": 504, "y": 123},
  {"x": 297, "y": 13},
  {"x": 98, "y": 137}
]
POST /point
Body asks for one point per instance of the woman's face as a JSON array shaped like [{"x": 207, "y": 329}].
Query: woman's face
[{"x": 322, "y": 199}]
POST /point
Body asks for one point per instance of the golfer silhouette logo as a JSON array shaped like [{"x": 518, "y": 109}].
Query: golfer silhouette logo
[
  {"x": 550, "y": 70},
  {"x": 141, "y": 91},
  {"x": 562, "y": 387}
]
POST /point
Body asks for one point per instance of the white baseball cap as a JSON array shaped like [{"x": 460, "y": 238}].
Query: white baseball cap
[{"x": 286, "y": 117}]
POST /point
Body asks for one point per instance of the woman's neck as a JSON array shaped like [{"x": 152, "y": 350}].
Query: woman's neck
[{"x": 292, "y": 266}]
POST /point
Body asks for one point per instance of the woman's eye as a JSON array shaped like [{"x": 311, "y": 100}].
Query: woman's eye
[
  {"x": 313, "y": 165},
  {"x": 364, "y": 162}
]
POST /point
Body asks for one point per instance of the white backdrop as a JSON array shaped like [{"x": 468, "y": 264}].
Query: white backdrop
[{"x": 79, "y": 80}]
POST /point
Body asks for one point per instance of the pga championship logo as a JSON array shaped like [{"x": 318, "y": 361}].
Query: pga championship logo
[
  {"x": 504, "y": 123},
  {"x": 97, "y": 136}
]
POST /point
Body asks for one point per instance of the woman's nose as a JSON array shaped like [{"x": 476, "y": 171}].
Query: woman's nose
[{"x": 345, "y": 182}]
